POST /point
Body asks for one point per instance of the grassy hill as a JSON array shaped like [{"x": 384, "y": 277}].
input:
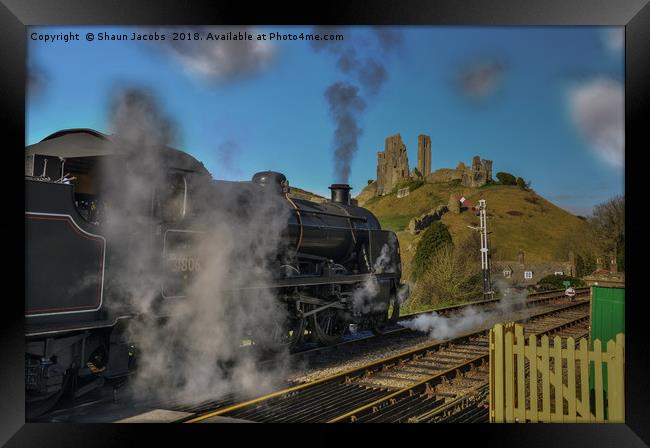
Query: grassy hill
[{"x": 517, "y": 220}]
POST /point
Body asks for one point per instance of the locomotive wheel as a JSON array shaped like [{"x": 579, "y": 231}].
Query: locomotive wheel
[
  {"x": 288, "y": 334},
  {"x": 328, "y": 325}
]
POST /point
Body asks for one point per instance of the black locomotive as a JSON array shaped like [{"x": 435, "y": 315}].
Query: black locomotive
[{"x": 76, "y": 326}]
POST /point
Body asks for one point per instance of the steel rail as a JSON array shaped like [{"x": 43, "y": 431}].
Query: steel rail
[
  {"x": 438, "y": 377},
  {"x": 354, "y": 373}
]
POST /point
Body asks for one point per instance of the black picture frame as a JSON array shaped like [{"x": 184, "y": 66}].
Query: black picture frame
[{"x": 15, "y": 15}]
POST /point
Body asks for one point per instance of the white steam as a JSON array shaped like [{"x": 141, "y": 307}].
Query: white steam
[
  {"x": 471, "y": 318},
  {"x": 364, "y": 297},
  {"x": 194, "y": 353}
]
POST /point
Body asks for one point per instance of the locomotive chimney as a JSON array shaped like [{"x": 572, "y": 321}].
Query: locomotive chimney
[{"x": 341, "y": 193}]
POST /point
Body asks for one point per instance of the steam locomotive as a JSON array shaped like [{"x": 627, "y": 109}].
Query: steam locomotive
[{"x": 76, "y": 325}]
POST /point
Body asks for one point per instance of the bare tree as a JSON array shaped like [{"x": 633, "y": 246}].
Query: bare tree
[{"x": 608, "y": 222}]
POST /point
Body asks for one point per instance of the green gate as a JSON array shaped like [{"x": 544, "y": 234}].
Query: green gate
[{"x": 607, "y": 320}]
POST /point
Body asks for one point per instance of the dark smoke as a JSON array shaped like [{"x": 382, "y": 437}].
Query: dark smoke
[
  {"x": 363, "y": 66},
  {"x": 226, "y": 157},
  {"x": 481, "y": 79},
  {"x": 37, "y": 80},
  {"x": 345, "y": 106}
]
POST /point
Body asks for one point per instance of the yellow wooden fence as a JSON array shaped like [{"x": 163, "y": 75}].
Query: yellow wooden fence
[{"x": 557, "y": 376}]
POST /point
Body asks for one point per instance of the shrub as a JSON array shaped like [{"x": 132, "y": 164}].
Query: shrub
[
  {"x": 433, "y": 239},
  {"x": 514, "y": 213},
  {"x": 556, "y": 282},
  {"x": 506, "y": 178}
]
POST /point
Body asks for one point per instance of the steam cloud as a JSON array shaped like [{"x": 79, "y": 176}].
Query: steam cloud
[
  {"x": 195, "y": 353},
  {"x": 597, "y": 110},
  {"x": 470, "y": 319},
  {"x": 364, "y": 298},
  {"x": 344, "y": 99},
  {"x": 221, "y": 60},
  {"x": 481, "y": 79}
]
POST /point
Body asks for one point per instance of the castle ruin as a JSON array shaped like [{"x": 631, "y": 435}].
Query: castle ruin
[
  {"x": 392, "y": 165},
  {"x": 424, "y": 155}
]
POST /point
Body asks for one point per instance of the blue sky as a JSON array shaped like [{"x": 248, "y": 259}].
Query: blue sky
[{"x": 544, "y": 103}]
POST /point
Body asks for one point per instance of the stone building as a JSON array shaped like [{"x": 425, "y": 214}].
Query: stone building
[
  {"x": 524, "y": 273},
  {"x": 424, "y": 155},
  {"x": 392, "y": 165}
]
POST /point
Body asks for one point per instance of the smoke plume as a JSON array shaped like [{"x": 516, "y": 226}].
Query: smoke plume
[
  {"x": 481, "y": 79},
  {"x": 345, "y": 106},
  {"x": 364, "y": 67},
  {"x": 195, "y": 352}
]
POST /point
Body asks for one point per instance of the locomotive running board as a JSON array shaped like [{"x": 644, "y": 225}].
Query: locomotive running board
[{"x": 315, "y": 281}]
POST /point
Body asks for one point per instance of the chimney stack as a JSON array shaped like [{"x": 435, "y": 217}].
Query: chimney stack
[{"x": 520, "y": 257}]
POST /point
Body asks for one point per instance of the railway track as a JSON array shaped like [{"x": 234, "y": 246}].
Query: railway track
[
  {"x": 399, "y": 331},
  {"x": 408, "y": 387},
  {"x": 397, "y": 337}
]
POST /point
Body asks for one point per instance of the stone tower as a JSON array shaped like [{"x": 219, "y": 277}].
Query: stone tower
[
  {"x": 424, "y": 155},
  {"x": 392, "y": 165}
]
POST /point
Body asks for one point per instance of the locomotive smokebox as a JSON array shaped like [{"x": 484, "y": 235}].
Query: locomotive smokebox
[
  {"x": 341, "y": 193},
  {"x": 272, "y": 179}
]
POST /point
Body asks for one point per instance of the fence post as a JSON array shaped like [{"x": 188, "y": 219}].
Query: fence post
[
  {"x": 546, "y": 388},
  {"x": 585, "y": 408},
  {"x": 532, "y": 362},
  {"x": 498, "y": 374},
  {"x": 571, "y": 379},
  {"x": 598, "y": 386},
  {"x": 520, "y": 352},
  {"x": 557, "y": 366},
  {"x": 509, "y": 376}
]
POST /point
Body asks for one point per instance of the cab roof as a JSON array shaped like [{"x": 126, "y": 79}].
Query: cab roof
[{"x": 84, "y": 142}]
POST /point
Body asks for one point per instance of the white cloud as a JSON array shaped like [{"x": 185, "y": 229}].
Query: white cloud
[
  {"x": 597, "y": 110},
  {"x": 614, "y": 39},
  {"x": 220, "y": 60}
]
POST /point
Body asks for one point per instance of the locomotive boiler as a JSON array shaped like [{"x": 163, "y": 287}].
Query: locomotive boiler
[{"x": 335, "y": 266}]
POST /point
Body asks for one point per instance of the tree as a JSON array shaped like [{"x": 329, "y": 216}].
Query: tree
[
  {"x": 608, "y": 221},
  {"x": 551, "y": 282},
  {"x": 435, "y": 237},
  {"x": 451, "y": 277},
  {"x": 506, "y": 178}
]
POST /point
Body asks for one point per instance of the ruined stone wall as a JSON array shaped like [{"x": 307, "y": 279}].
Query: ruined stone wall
[
  {"x": 424, "y": 155},
  {"x": 478, "y": 174},
  {"x": 392, "y": 165}
]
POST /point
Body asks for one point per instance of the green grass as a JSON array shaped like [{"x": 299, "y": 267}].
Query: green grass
[{"x": 395, "y": 223}]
